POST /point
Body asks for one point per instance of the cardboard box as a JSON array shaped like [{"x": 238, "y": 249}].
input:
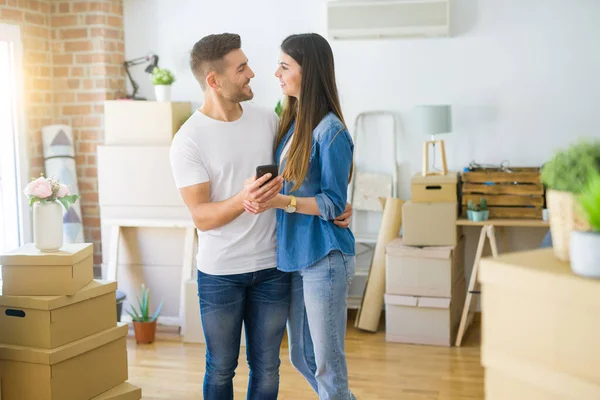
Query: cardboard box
[
  {"x": 536, "y": 311},
  {"x": 48, "y": 322},
  {"x": 528, "y": 382},
  {"x": 430, "y": 224},
  {"x": 150, "y": 165},
  {"x": 146, "y": 123},
  {"x": 423, "y": 271},
  {"x": 435, "y": 188},
  {"x": 124, "y": 391},
  {"x": 26, "y": 271},
  {"x": 424, "y": 320},
  {"x": 76, "y": 371}
]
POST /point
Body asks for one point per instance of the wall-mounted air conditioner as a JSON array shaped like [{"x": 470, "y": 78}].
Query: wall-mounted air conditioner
[{"x": 353, "y": 19}]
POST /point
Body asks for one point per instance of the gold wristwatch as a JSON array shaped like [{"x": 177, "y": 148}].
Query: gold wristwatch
[{"x": 291, "y": 208}]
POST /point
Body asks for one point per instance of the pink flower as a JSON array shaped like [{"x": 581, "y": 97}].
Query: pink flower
[
  {"x": 39, "y": 188},
  {"x": 63, "y": 191}
]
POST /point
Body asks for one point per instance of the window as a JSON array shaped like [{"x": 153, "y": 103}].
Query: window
[{"x": 14, "y": 217}]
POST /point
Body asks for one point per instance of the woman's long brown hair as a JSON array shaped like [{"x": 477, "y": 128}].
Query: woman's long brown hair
[{"x": 318, "y": 96}]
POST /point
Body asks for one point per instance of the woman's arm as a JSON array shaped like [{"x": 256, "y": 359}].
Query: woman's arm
[{"x": 336, "y": 162}]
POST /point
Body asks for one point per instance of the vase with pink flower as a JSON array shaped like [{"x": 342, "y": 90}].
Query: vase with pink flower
[{"x": 46, "y": 195}]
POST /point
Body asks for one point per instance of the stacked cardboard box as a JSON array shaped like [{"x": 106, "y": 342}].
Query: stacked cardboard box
[
  {"x": 60, "y": 339},
  {"x": 540, "y": 329},
  {"x": 425, "y": 282}
]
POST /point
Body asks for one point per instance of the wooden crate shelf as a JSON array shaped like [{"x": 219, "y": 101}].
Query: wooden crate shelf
[{"x": 518, "y": 194}]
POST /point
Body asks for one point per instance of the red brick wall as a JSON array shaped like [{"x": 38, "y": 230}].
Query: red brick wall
[{"x": 73, "y": 57}]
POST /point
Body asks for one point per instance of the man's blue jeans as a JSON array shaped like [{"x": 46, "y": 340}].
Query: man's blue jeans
[{"x": 259, "y": 299}]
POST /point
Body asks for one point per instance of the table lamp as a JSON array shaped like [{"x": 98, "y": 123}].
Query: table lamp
[{"x": 434, "y": 120}]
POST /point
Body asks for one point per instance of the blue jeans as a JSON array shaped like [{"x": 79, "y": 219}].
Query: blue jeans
[
  {"x": 259, "y": 299},
  {"x": 317, "y": 324}
]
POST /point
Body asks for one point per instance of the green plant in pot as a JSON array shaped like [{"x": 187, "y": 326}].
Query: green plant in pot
[
  {"x": 565, "y": 177},
  {"x": 144, "y": 324},
  {"x": 585, "y": 245},
  {"x": 478, "y": 212},
  {"x": 162, "y": 79}
]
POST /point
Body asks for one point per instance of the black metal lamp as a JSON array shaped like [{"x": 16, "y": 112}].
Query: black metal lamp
[{"x": 152, "y": 59}]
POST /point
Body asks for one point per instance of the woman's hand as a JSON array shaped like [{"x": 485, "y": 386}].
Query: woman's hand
[
  {"x": 343, "y": 221},
  {"x": 255, "y": 207}
]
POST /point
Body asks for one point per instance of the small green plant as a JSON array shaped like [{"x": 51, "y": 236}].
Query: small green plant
[
  {"x": 570, "y": 168},
  {"x": 589, "y": 199},
  {"x": 142, "y": 314},
  {"x": 162, "y": 76},
  {"x": 278, "y": 108},
  {"x": 483, "y": 206},
  {"x": 472, "y": 206}
]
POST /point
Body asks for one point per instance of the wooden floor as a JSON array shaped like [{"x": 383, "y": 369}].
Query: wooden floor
[{"x": 169, "y": 369}]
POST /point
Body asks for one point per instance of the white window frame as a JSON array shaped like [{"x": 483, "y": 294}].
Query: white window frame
[{"x": 21, "y": 216}]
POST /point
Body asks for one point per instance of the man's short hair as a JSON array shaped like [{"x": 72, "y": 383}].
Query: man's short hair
[{"x": 208, "y": 52}]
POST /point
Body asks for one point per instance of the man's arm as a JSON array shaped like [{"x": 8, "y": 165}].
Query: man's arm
[{"x": 209, "y": 215}]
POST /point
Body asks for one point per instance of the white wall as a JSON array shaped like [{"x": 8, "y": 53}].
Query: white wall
[{"x": 522, "y": 75}]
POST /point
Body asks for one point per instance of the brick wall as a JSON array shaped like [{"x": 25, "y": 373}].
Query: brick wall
[{"x": 73, "y": 57}]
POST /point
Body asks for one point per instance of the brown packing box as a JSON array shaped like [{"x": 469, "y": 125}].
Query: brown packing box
[
  {"x": 124, "y": 391},
  {"x": 536, "y": 312},
  {"x": 430, "y": 224},
  {"x": 27, "y": 271},
  {"x": 76, "y": 371},
  {"x": 51, "y": 321},
  {"x": 435, "y": 188},
  {"x": 424, "y": 320},
  {"x": 423, "y": 271}
]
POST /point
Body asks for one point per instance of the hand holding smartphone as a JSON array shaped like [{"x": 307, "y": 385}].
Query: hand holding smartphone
[{"x": 262, "y": 170}]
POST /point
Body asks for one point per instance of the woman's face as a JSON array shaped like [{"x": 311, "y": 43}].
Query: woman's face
[{"x": 289, "y": 74}]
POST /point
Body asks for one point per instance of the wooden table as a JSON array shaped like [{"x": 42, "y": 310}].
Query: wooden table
[
  {"x": 488, "y": 229},
  {"x": 116, "y": 224}
]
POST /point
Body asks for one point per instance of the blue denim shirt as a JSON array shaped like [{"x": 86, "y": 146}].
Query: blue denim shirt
[{"x": 303, "y": 240}]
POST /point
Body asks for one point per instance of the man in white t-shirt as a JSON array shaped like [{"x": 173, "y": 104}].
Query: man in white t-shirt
[{"x": 212, "y": 157}]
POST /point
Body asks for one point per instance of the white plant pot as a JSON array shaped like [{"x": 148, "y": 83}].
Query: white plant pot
[
  {"x": 585, "y": 254},
  {"x": 162, "y": 92},
  {"x": 48, "y": 226}
]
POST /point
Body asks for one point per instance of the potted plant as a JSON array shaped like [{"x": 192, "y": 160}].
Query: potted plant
[
  {"x": 278, "y": 108},
  {"x": 144, "y": 324},
  {"x": 479, "y": 212},
  {"x": 45, "y": 198},
  {"x": 162, "y": 79},
  {"x": 585, "y": 245},
  {"x": 565, "y": 176}
]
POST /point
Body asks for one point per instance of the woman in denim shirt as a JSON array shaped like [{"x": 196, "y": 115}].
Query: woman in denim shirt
[{"x": 314, "y": 152}]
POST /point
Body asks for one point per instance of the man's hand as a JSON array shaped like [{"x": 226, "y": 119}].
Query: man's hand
[
  {"x": 253, "y": 191},
  {"x": 343, "y": 221}
]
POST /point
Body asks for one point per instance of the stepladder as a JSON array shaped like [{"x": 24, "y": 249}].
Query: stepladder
[{"x": 488, "y": 232}]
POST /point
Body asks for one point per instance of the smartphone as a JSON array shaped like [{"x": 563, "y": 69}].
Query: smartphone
[{"x": 262, "y": 170}]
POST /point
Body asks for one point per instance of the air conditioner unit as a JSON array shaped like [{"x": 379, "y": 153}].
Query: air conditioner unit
[{"x": 375, "y": 19}]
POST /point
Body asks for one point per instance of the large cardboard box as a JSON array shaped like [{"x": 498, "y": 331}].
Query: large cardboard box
[
  {"x": 435, "y": 188},
  {"x": 48, "y": 322},
  {"x": 146, "y": 123},
  {"x": 26, "y": 271},
  {"x": 423, "y": 271},
  {"x": 76, "y": 371},
  {"x": 124, "y": 391},
  {"x": 536, "y": 311},
  {"x": 430, "y": 224},
  {"x": 151, "y": 167},
  {"x": 424, "y": 320}
]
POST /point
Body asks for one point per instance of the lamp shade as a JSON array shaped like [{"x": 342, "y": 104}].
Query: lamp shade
[{"x": 433, "y": 119}]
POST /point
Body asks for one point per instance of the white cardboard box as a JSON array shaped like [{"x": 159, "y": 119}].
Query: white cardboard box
[
  {"x": 145, "y": 123},
  {"x": 136, "y": 176},
  {"x": 424, "y": 320},
  {"x": 423, "y": 271}
]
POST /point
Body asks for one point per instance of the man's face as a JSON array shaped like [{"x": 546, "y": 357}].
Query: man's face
[{"x": 235, "y": 79}]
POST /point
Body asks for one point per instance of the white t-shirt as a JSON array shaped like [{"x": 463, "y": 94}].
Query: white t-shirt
[{"x": 226, "y": 154}]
